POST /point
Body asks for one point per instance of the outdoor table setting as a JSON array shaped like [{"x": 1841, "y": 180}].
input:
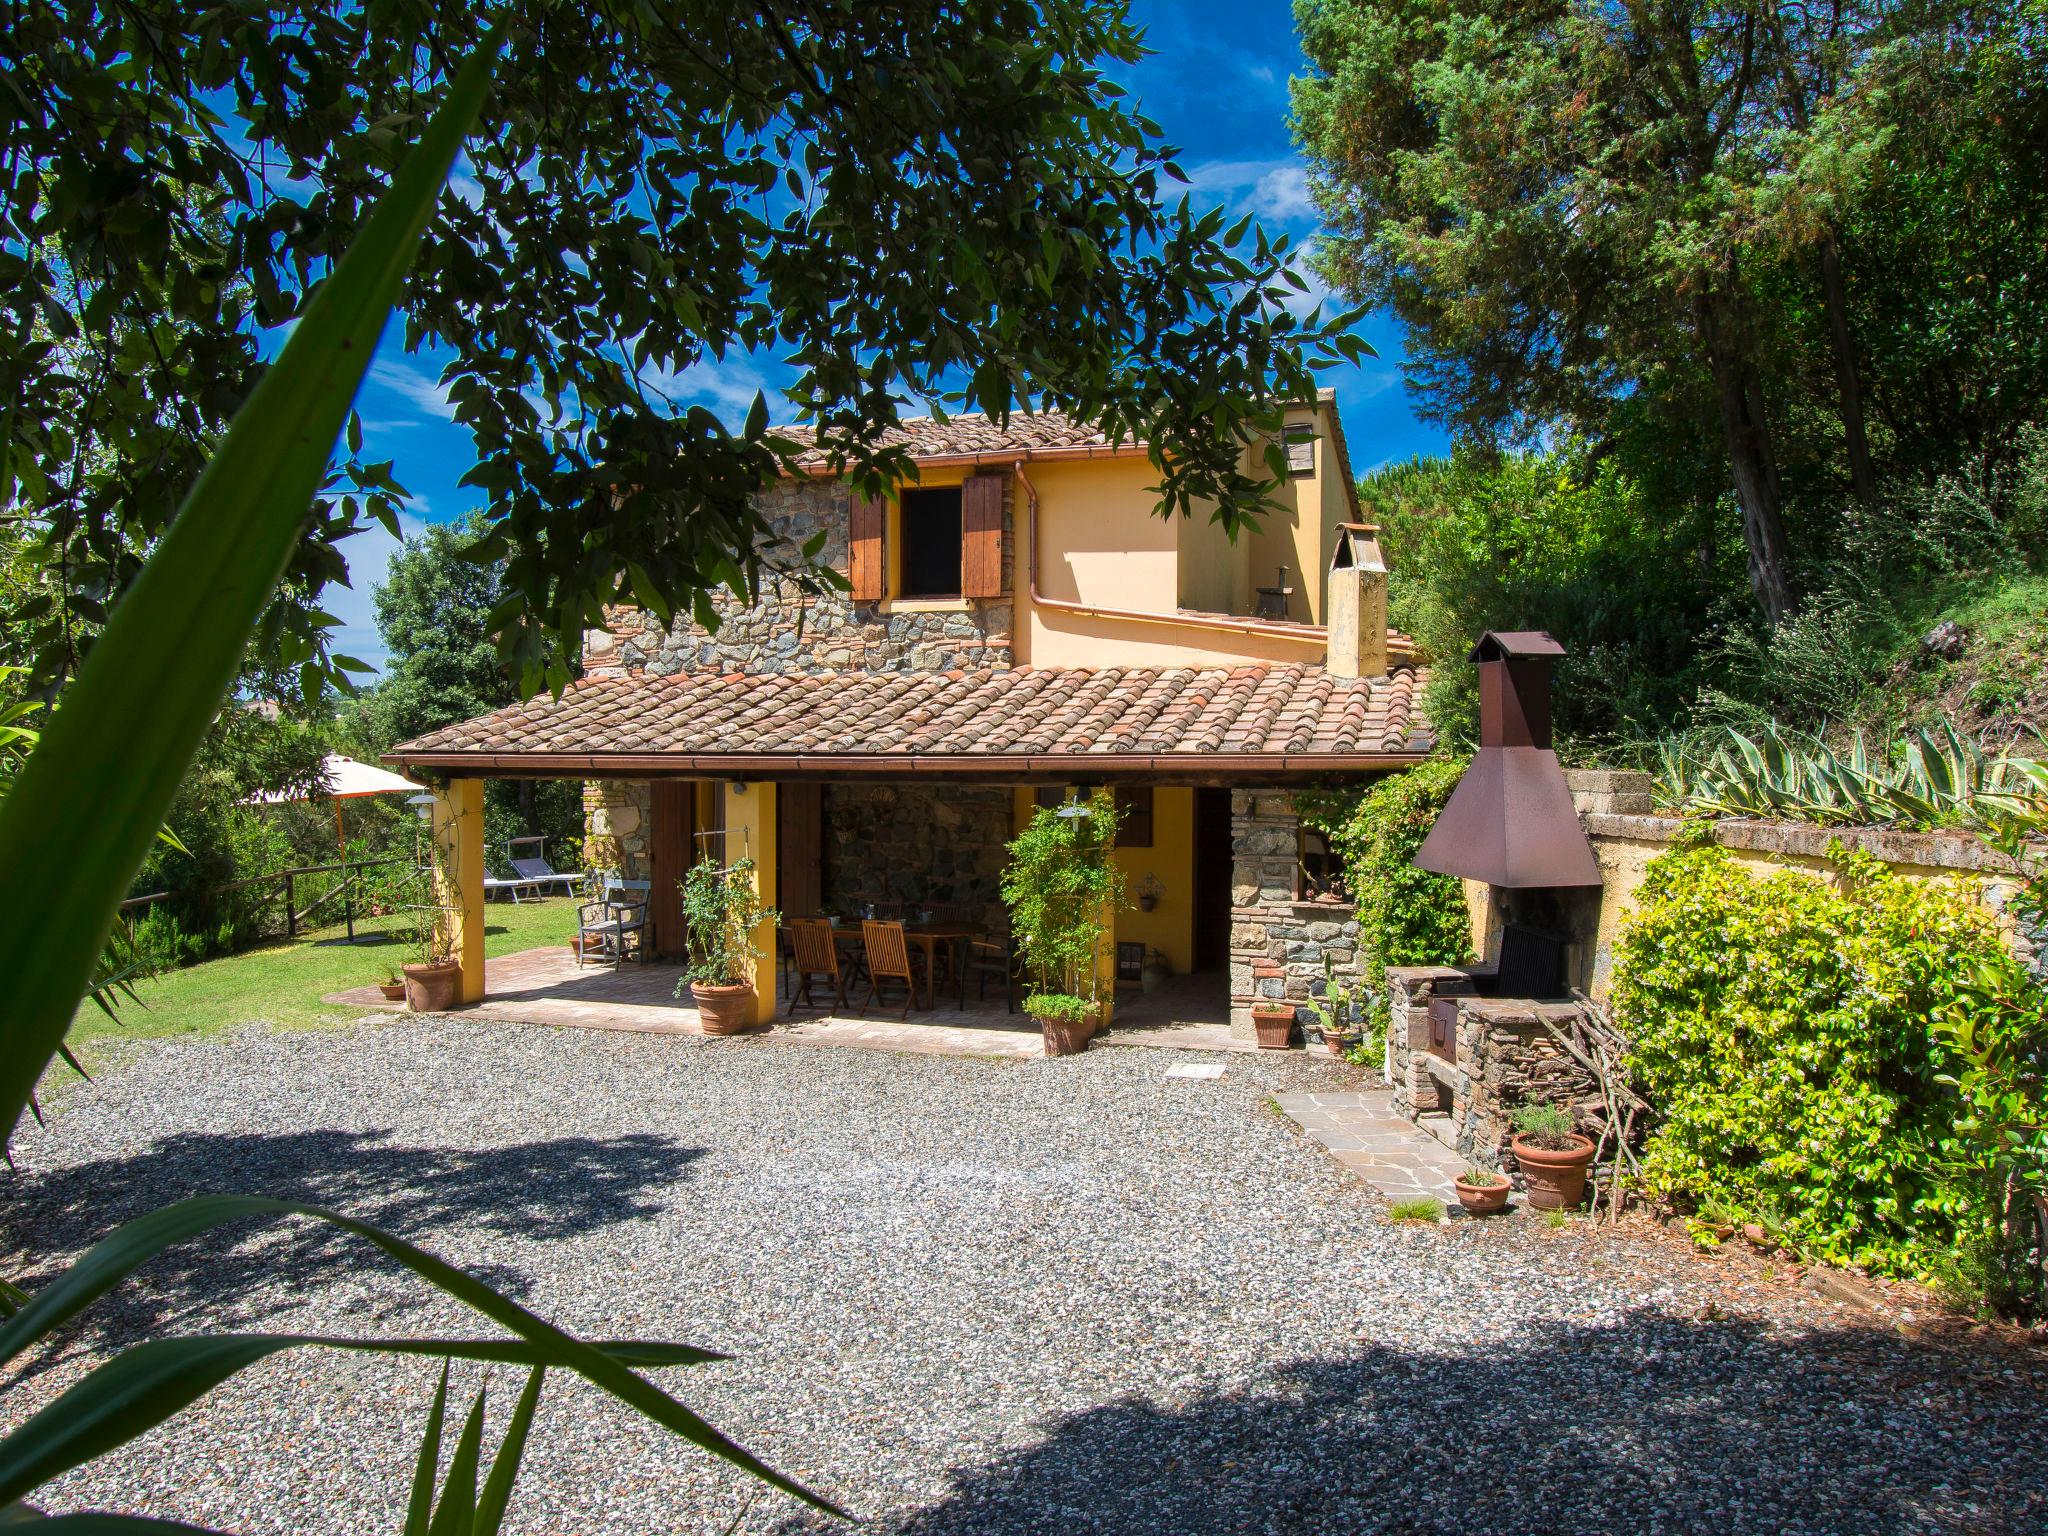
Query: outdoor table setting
[{"x": 931, "y": 936}]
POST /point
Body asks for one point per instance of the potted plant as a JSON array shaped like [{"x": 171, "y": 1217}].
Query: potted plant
[
  {"x": 392, "y": 988},
  {"x": 1482, "y": 1191},
  {"x": 1063, "y": 889},
  {"x": 721, "y": 909},
  {"x": 433, "y": 978},
  {"x": 1067, "y": 1022},
  {"x": 1338, "y": 1010},
  {"x": 1275, "y": 1025},
  {"x": 1552, "y": 1156}
]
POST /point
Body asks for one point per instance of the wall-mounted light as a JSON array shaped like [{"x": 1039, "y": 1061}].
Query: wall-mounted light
[
  {"x": 423, "y": 805},
  {"x": 1149, "y": 892},
  {"x": 738, "y": 787}
]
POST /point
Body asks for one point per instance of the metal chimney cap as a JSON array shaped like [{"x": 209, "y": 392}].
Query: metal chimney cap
[{"x": 1500, "y": 644}]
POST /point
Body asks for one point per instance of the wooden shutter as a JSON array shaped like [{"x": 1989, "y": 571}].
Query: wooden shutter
[
  {"x": 865, "y": 521},
  {"x": 981, "y": 536}
]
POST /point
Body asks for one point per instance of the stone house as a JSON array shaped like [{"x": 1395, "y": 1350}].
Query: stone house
[{"x": 1019, "y": 624}]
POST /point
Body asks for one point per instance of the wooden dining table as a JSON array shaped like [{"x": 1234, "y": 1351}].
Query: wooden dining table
[{"x": 927, "y": 937}]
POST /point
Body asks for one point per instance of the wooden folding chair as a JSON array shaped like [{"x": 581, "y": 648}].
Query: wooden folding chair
[
  {"x": 888, "y": 960},
  {"x": 814, "y": 955}
]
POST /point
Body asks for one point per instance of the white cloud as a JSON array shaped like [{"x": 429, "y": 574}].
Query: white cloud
[
  {"x": 422, "y": 391},
  {"x": 726, "y": 388},
  {"x": 368, "y": 554},
  {"x": 1274, "y": 189}
]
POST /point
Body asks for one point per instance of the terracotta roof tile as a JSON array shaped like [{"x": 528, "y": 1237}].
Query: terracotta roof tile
[{"x": 1101, "y": 712}]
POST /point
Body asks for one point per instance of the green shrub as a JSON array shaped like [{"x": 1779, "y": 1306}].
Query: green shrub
[
  {"x": 1062, "y": 885},
  {"x": 721, "y": 909},
  {"x": 1406, "y": 916},
  {"x": 1789, "y": 1032}
]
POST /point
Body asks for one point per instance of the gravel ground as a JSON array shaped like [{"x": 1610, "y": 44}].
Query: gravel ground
[{"x": 967, "y": 1296}]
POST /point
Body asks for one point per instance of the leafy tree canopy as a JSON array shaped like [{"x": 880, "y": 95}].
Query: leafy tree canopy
[
  {"x": 1583, "y": 209},
  {"x": 433, "y": 613},
  {"x": 913, "y": 200}
]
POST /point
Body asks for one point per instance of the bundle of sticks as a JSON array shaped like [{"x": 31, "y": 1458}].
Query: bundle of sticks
[{"x": 1591, "y": 1039}]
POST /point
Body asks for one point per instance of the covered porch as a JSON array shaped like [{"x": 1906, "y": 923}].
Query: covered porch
[
  {"x": 892, "y": 797},
  {"x": 547, "y": 987}
]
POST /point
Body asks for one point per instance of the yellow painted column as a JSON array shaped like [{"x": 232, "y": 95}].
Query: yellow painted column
[
  {"x": 1105, "y": 966},
  {"x": 750, "y": 834},
  {"x": 458, "y": 876}
]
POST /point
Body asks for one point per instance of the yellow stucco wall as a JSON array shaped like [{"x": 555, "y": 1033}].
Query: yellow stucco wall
[
  {"x": 1100, "y": 543},
  {"x": 1625, "y": 860},
  {"x": 1169, "y": 927}
]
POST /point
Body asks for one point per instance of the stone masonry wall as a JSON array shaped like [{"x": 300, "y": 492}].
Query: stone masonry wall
[
  {"x": 903, "y": 847},
  {"x": 790, "y": 631},
  {"x": 617, "y": 816},
  {"x": 1277, "y": 944},
  {"x": 1504, "y": 1058}
]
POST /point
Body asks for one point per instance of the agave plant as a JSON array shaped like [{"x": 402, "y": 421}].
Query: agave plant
[
  {"x": 78, "y": 817},
  {"x": 1927, "y": 778}
]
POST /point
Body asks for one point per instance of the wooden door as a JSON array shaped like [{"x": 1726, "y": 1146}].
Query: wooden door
[
  {"x": 669, "y": 849},
  {"x": 800, "y": 850},
  {"x": 1212, "y": 879}
]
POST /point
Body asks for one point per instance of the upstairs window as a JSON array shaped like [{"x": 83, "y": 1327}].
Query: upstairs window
[
  {"x": 1301, "y": 450},
  {"x": 931, "y": 543}
]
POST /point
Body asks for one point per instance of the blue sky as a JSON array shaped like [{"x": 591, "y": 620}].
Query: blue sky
[{"x": 1217, "y": 85}]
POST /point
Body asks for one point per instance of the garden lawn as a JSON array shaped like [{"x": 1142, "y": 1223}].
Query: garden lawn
[{"x": 282, "y": 983}]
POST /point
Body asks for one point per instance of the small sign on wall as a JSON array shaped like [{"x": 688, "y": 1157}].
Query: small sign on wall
[{"x": 1130, "y": 960}]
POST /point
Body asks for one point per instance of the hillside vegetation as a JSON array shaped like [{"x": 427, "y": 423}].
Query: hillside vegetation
[{"x": 1739, "y": 318}]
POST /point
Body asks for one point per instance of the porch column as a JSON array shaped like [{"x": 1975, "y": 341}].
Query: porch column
[
  {"x": 458, "y": 876},
  {"x": 1105, "y": 966},
  {"x": 750, "y": 833}
]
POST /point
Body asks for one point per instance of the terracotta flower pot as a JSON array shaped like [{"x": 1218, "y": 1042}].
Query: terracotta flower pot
[
  {"x": 1066, "y": 1037},
  {"x": 432, "y": 988},
  {"x": 723, "y": 1010},
  {"x": 1337, "y": 1045},
  {"x": 1484, "y": 1199},
  {"x": 1557, "y": 1180},
  {"x": 394, "y": 991},
  {"x": 1275, "y": 1027}
]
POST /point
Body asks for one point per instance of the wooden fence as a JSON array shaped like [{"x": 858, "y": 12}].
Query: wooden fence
[{"x": 286, "y": 881}]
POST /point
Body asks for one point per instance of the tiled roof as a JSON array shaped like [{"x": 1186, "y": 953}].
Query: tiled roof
[
  {"x": 974, "y": 433},
  {"x": 1099, "y": 713}
]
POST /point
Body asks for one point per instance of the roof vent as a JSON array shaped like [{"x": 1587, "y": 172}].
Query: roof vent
[{"x": 1510, "y": 821}]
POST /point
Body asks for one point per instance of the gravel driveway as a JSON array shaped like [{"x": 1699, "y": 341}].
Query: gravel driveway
[{"x": 969, "y": 1296}]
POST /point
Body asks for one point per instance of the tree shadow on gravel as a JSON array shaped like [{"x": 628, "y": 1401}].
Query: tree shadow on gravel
[
  {"x": 556, "y": 1189},
  {"x": 1649, "y": 1425}
]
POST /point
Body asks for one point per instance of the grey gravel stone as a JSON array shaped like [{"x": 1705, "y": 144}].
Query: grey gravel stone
[{"x": 964, "y": 1296}]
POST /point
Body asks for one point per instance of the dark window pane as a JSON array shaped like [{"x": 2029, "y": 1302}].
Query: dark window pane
[
  {"x": 1318, "y": 872},
  {"x": 931, "y": 543}
]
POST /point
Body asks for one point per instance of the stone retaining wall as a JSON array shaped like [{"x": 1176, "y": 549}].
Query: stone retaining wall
[
  {"x": 791, "y": 631},
  {"x": 1278, "y": 945}
]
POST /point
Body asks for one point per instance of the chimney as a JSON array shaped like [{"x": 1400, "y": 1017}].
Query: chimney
[
  {"x": 1510, "y": 822},
  {"x": 1355, "y": 613}
]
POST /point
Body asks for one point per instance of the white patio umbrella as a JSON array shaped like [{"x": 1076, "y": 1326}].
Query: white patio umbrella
[{"x": 341, "y": 779}]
